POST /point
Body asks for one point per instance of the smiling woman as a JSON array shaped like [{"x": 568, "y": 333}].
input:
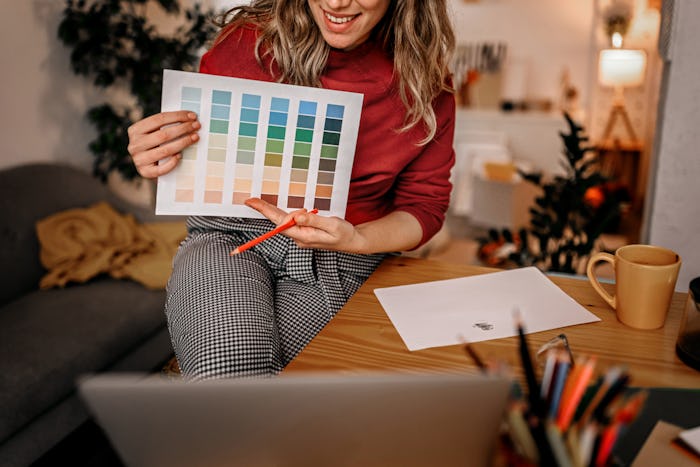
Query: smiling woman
[
  {"x": 251, "y": 313},
  {"x": 345, "y": 25}
]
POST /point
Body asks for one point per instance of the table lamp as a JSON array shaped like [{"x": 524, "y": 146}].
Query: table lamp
[{"x": 621, "y": 68}]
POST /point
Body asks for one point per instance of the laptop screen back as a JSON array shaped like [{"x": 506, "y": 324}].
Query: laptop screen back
[{"x": 300, "y": 420}]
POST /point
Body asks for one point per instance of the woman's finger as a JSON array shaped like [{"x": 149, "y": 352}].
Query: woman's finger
[
  {"x": 161, "y": 168},
  {"x": 159, "y": 120},
  {"x": 307, "y": 219},
  {"x": 162, "y": 159},
  {"x": 272, "y": 212},
  {"x": 143, "y": 142}
]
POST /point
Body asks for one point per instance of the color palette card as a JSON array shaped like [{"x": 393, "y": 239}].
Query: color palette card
[{"x": 292, "y": 146}]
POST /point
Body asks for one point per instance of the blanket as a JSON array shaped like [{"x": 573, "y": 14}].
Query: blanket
[{"x": 79, "y": 244}]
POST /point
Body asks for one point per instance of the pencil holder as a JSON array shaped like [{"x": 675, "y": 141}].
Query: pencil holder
[{"x": 572, "y": 418}]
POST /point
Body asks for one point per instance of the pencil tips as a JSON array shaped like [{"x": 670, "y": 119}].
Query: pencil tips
[{"x": 234, "y": 252}]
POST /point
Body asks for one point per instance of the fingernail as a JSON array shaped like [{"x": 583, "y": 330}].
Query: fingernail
[
  {"x": 192, "y": 116},
  {"x": 196, "y": 125},
  {"x": 195, "y": 137}
]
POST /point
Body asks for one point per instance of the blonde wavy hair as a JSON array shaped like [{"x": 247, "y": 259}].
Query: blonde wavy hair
[{"x": 416, "y": 33}]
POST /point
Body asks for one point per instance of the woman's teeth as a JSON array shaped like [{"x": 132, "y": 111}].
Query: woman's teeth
[{"x": 337, "y": 20}]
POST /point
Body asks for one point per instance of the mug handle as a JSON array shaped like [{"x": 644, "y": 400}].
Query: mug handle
[{"x": 602, "y": 256}]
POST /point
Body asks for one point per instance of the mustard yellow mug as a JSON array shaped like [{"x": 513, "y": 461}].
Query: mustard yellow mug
[{"x": 645, "y": 279}]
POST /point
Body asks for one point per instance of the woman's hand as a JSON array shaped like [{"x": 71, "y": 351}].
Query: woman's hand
[
  {"x": 156, "y": 142},
  {"x": 311, "y": 230},
  {"x": 396, "y": 231}
]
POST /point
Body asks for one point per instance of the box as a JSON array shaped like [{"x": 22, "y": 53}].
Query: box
[{"x": 500, "y": 203}]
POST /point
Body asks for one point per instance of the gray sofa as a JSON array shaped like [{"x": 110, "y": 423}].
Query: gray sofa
[{"x": 50, "y": 337}]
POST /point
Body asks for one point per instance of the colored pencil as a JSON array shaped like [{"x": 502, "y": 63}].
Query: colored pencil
[
  {"x": 573, "y": 396},
  {"x": 266, "y": 235},
  {"x": 607, "y": 441},
  {"x": 533, "y": 388},
  {"x": 571, "y": 439},
  {"x": 548, "y": 375},
  {"x": 561, "y": 374},
  {"x": 536, "y": 403},
  {"x": 521, "y": 435},
  {"x": 615, "y": 389},
  {"x": 587, "y": 443},
  {"x": 609, "y": 379},
  {"x": 556, "y": 441},
  {"x": 627, "y": 413},
  {"x": 471, "y": 352}
]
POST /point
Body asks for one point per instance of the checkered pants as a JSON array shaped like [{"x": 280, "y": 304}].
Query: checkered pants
[{"x": 250, "y": 314}]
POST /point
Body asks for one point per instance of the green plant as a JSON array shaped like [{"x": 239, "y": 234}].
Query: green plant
[
  {"x": 113, "y": 42},
  {"x": 569, "y": 215}
]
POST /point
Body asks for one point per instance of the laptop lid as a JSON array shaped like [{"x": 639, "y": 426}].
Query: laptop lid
[{"x": 300, "y": 420}]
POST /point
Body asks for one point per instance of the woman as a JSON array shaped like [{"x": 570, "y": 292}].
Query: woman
[{"x": 250, "y": 314}]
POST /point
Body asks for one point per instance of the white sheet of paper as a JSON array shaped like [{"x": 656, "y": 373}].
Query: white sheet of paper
[
  {"x": 692, "y": 438},
  {"x": 290, "y": 145},
  {"x": 478, "y": 308}
]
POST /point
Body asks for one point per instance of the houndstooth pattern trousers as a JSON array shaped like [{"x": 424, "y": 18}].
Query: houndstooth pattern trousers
[{"x": 252, "y": 313}]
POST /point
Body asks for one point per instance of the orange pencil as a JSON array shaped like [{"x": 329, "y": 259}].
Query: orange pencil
[
  {"x": 267, "y": 235},
  {"x": 573, "y": 392},
  {"x": 571, "y": 378}
]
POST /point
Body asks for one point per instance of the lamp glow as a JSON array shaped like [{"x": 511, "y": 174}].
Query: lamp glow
[
  {"x": 616, "y": 40},
  {"x": 621, "y": 67}
]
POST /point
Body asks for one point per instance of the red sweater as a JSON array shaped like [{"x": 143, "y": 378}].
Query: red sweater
[{"x": 390, "y": 171}]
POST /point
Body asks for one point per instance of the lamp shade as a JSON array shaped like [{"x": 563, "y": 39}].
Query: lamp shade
[{"x": 621, "y": 67}]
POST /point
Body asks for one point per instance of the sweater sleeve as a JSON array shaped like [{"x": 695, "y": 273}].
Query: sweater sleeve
[{"x": 423, "y": 188}]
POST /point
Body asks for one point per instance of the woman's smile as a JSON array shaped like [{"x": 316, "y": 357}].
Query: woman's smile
[{"x": 347, "y": 24}]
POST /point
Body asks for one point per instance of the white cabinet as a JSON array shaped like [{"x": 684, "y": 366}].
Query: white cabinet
[
  {"x": 531, "y": 137},
  {"x": 531, "y": 141}
]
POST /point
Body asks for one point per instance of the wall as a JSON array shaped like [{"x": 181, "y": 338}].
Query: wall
[
  {"x": 43, "y": 101},
  {"x": 544, "y": 38},
  {"x": 673, "y": 216}
]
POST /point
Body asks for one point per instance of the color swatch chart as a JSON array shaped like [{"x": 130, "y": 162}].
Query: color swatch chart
[{"x": 292, "y": 146}]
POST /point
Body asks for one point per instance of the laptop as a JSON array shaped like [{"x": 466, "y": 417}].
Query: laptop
[{"x": 300, "y": 420}]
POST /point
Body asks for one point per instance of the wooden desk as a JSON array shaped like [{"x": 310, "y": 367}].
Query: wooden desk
[{"x": 361, "y": 337}]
